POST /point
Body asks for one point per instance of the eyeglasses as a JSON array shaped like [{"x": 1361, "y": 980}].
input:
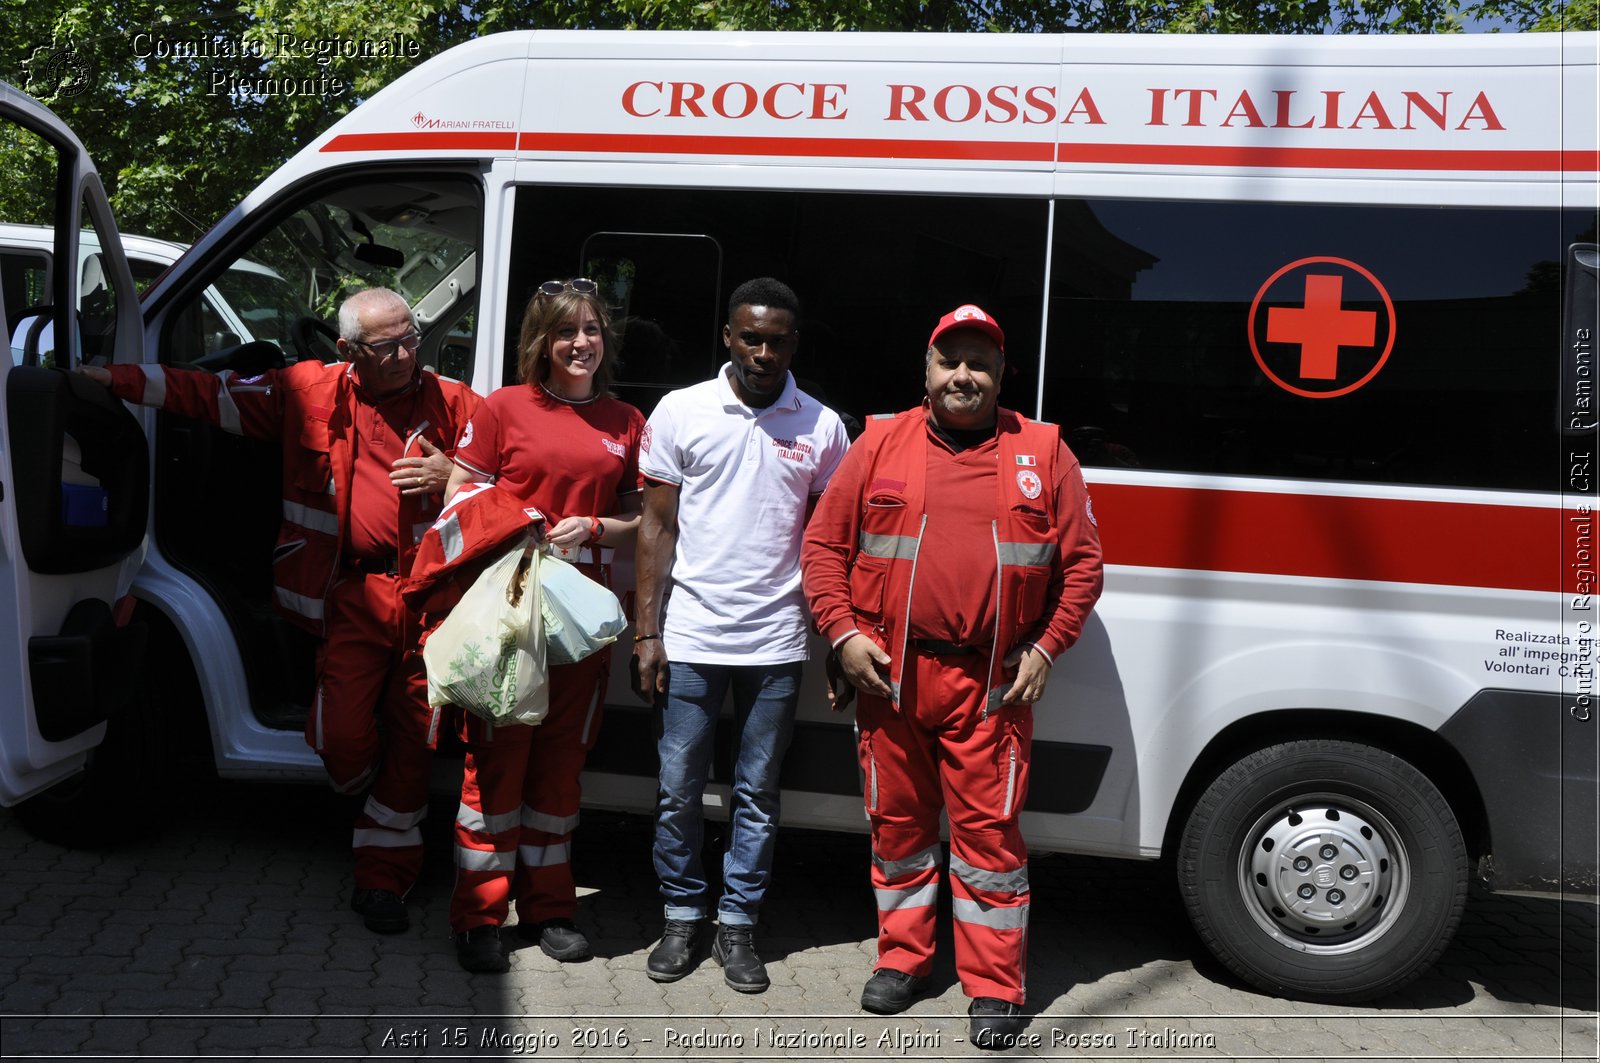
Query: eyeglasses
[
  {"x": 581, "y": 285},
  {"x": 389, "y": 348}
]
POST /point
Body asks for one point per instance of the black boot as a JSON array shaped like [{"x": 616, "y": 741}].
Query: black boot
[
  {"x": 478, "y": 950},
  {"x": 995, "y": 1024},
  {"x": 557, "y": 938},
  {"x": 674, "y": 957},
  {"x": 383, "y": 911},
  {"x": 889, "y": 992},
  {"x": 741, "y": 968}
]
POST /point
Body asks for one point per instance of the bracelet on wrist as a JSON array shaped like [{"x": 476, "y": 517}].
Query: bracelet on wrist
[
  {"x": 596, "y": 529},
  {"x": 646, "y": 638}
]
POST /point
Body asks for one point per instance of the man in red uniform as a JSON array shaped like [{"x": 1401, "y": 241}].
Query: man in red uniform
[
  {"x": 364, "y": 464},
  {"x": 951, "y": 561}
]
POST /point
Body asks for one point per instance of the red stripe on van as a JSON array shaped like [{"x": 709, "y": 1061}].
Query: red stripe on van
[
  {"x": 1332, "y": 158},
  {"x": 829, "y": 147},
  {"x": 1326, "y": 537},
  {"x": 437, "y": 139},
  {"x": 980, "y": 151}
]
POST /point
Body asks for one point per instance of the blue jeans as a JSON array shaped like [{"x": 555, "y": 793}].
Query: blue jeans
[{"x": 764, "y": 699}]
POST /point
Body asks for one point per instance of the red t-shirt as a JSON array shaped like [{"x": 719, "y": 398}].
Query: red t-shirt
[
  {"x": 378, "y": 440},
  {"x": 566, "y": 458},
  {"x": 954, "y": 599}
]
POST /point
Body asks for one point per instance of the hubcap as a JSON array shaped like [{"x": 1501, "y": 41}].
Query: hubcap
[{"x": 1324, "y": 873}]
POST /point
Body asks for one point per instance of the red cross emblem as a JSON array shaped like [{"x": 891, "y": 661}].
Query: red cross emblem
[{"x": 1312, "y": 331}]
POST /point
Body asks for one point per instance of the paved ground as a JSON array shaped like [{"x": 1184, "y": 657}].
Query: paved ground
[{"x": 227, "y": 935}]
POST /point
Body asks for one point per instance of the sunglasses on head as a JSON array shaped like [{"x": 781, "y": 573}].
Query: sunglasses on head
[{"x": 581, "y": 285}]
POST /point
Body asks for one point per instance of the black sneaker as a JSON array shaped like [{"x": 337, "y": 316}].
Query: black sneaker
[
  {"x": 742, "y": 969},
  {"x": 889, "y": 992},
  {"x": 674, "y": 957},
  {"x": 478, "y": 950},
  {"x": 382, "y": 910},
  {"x": 558, "y": 939},
  {"x": 995, "y": 1023}
]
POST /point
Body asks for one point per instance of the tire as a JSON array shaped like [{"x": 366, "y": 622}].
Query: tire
[
  {"x": 112, "y": 800},
  {"x": 1323, "y": 870},
  {"x": 125, "y": 791}
]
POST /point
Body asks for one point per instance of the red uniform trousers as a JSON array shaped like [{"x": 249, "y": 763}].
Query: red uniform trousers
[
  {"x": 519, "y": 804},
  {"x": 940, "y": 752},
  {"x": 371, "y": 723}
]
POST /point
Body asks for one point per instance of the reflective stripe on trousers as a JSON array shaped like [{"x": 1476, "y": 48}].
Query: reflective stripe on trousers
[
  {"x": 942, "y": 740},
  {"x": 519, "y": 806},
  {"x": 370, "y": 680}
]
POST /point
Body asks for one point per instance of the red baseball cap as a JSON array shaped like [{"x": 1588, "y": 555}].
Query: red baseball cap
[{"x": 969, "y": 316}]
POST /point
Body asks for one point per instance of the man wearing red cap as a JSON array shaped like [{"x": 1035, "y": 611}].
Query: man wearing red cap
[{"x": 952, "y": 560}]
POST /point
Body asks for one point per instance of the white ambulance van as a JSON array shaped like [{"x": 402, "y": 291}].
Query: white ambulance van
[{"x": 1316, "y": 313}]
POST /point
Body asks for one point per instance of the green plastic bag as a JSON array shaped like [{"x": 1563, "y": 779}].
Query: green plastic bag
[
  {"x": 581, "y": 617},
  {"x": 488, "y": 656}
]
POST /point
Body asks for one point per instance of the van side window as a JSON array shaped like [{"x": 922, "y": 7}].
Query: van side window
[
  {"x": 97, "y": 296},
  {"x": 676, "y": 275},
  {"x": 33, "y": 192},
  {"x": 416, "y": 235},
  {"x": 144, "y": 272},
  {"x": 1379, "y": 344},
  {"x": 873, "y": 273},
  {"x": 24, "y": 280}
]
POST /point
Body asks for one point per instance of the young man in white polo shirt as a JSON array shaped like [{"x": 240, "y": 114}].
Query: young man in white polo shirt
[{"x": 732, "y": 467}]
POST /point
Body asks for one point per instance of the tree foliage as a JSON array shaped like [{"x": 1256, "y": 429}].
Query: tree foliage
[{"x": 178, "y": 144}]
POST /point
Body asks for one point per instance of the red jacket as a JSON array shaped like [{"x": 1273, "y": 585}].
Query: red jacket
[
  {"x": 481, "y": 522},
  {"x": 309, "y": 408},
  {"x": 862, "y": 545}
]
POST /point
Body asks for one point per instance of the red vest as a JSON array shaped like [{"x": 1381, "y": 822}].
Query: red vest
[{"x": 1024, "y": 541}]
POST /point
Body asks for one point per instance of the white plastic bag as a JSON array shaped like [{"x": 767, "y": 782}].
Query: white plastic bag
[
  {"x": 581, "y": 617},
  {"x": 488, "y": 656}
]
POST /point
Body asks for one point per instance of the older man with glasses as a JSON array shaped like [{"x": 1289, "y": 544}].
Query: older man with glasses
[{"x": 365, "y": 460}]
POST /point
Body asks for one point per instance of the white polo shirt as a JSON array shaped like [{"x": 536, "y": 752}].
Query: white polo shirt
[{"x": 745, "y": 477}]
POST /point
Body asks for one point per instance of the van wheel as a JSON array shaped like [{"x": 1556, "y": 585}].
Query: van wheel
[
  {"x": 112, "y": 799},
  {"x": 1323, "y": 870},
  {"x": 126, "y": 789}
]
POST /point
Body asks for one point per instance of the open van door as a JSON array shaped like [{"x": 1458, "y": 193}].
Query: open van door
[{"x": 74, "y": 471}]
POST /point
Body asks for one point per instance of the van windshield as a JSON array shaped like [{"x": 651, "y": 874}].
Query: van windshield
[
  {"x": 265, "y": 303},
  {"x": 417, "y": 236},
  {"x": 340, "y": 245}
]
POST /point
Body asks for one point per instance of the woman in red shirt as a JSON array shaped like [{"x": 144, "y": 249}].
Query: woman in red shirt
[{"x": 560, "y": 442}]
